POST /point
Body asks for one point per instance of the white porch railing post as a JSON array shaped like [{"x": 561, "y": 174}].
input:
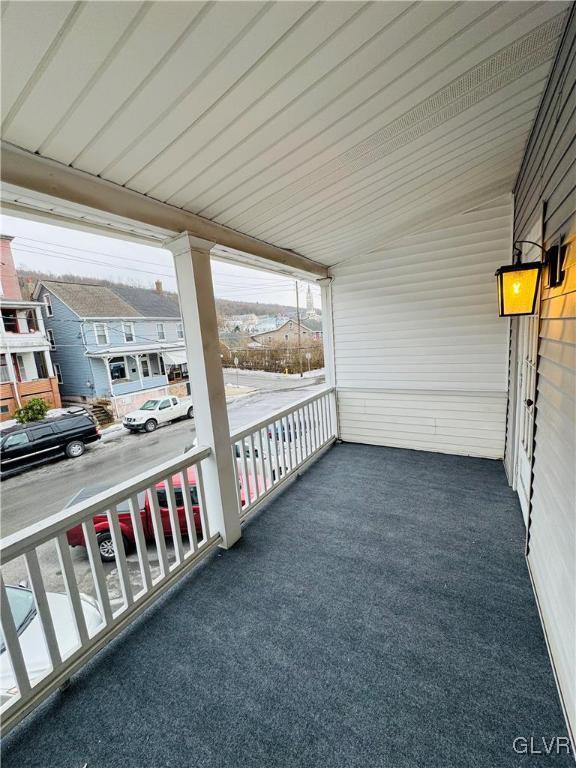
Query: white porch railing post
[
  {"x": 195, "y": 289},
  {"x": 329, "y": 355}
]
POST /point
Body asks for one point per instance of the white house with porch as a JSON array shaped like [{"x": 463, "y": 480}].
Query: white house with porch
[{"x": 388, "y": 564}]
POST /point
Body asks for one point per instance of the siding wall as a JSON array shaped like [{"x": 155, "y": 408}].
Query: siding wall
[
  {"x": 144, "y": 331},
  {"x": 69, "y": 353},
  {"x": 549, "y": 174},
  {"x": 420, "y": 353}
]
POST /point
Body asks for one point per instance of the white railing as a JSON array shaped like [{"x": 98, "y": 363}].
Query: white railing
[
  {"x": 271, "y": 451},
  {"x": 149, "y": 531},
  {"x": 130, "y": 512}
]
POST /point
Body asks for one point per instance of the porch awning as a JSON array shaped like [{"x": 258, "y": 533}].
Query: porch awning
[{"x": 175, "y": 357}]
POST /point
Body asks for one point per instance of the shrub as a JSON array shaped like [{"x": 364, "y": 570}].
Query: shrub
[{"x": 34, "y": 410}]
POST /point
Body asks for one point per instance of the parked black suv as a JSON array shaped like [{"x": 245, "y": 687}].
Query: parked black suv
[{"x": 26, "y": 445}]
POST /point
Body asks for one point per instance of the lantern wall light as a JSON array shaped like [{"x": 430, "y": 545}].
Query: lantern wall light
[{"x": 518, "y": 283}]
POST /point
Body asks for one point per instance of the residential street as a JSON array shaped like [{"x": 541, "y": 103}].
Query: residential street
[{"x": 33, "y": 495}]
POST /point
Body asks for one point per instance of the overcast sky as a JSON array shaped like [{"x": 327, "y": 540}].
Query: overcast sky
[{"x": 60, "y": 250}]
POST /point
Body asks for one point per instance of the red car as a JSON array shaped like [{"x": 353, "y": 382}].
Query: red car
[{"x": 75, "y": 535}]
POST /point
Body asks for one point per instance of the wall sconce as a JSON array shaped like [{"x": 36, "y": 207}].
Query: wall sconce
[{"x": 518, "y": 284}]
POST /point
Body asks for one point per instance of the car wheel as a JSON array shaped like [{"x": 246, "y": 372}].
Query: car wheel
[
  {"x": 75, "y": 448},
  {"x": 190, "y": 413},
  {"x": 150, "y": 425},
  {"x": 106, "y": 546}
]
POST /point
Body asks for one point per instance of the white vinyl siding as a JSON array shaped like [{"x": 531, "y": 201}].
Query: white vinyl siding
[
  {"x": 421, "y": 355},
  {"x": 547, "y": 175}
]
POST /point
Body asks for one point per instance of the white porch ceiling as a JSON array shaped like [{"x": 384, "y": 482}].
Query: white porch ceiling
[{"x": 323, "y": 128}]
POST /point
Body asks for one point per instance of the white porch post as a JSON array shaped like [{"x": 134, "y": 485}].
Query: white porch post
[
  {"x": 49, "y": 366},
  {"x": 196, "y": 292},
  {"x": 13, "y": 377},
  {"x": 111, "y": 384},
  {"x": 328, "y": 341}
]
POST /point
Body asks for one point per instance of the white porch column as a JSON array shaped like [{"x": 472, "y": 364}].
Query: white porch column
[
  {"x": 48, "y": 362},
  {"x": 328, "y": 341},
  {"x": 196, "y": 292},
  {"x": 13, "y": 377}
]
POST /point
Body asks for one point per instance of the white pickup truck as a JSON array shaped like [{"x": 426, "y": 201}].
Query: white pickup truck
[{"x": 153, "y": 413}]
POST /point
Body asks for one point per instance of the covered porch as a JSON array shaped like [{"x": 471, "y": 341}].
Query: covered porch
[{"x": 378, "y": 612}]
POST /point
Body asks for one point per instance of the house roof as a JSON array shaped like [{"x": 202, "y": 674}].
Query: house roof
[
  {"x": 148, "y": 302},
  {"x": 96, "y": 300},
  {"x": 307, "y": 325}
]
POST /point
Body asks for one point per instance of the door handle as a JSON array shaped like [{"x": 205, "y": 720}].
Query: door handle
[{"x": 529, "y": 403}]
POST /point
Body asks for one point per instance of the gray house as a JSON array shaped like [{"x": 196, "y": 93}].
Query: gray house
[{"x": 117, "y": 343}]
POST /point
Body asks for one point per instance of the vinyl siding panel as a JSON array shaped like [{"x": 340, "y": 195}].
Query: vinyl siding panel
[
  {"x": 549, "y": 174},
  {"x": 420, "y": 354},
  {"x": 69, "y": 352}
]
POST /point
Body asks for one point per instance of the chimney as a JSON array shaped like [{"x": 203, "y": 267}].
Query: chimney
[
  {"x": 10, "y": 286},
  {"x": 158, "y": 286}
]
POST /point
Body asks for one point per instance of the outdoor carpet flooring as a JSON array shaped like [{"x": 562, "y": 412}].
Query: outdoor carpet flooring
[{"x": 377, "y": 613}]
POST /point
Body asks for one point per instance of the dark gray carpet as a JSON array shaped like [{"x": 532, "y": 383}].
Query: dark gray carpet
[{"x": 379, "y": 613}]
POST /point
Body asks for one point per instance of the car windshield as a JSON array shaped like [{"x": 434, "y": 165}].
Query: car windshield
[
  {"x": 23, "y": 609},
  {"x": 149, "y": 405}
]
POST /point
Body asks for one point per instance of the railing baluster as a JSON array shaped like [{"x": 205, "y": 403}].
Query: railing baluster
[
  {"x": 288, "y": 433},
  {"x": 260, "y": 448},
  {"x": 141, "y": 548},
  {"x": 308, "y": 431},
  {"x": 97, "y": 570},
  {"x": 158, "y": 528},
  {"x": 174, "y": 521},
  {"x": 202, "y": 503},
  {"x": 120, "y": 554},
  {"x": 12, "y": 643},
  {"x": 318, "y": 423},
  {"x": 294, "y": 439},
  {"x": 37, "y": 583},
  {"x": 189, "y": 512},
  {"x": 254, "y": 466},
  {"x": 247, "y": 494},
  {"x": 74, "y": 599},
  {"x": 325, "y": 419},
  {"x": 273, "y": 475}
]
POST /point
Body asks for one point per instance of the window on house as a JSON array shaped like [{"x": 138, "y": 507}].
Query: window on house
[
  {"x": 48, "y": 305},
  {"x": 160, "y": 331},
  {"x": 180, "y": 331},
  {"x": 128, "y": 329},
  {"x": 58, "y": 372},
  {"x": 4, "y": 409},
  {"x": 101, "y": 332},
  {"x": 118, "y": 368},
  {"x": 145, "y": 366},
  {"x": 41, "y": 367},
  {"x": 4, "y": 373},
  {"x": 50, "y": 337},
  {"x": 10, "y": 321},
  {"x": 21, "y": 368}
]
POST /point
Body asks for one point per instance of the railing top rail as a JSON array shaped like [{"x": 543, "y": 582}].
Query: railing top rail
[
  {"x": 275, "y": 415},
  {"x": 33, "y": 535}
]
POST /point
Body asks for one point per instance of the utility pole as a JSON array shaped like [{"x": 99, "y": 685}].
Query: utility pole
[{"x": 299, "y": 334}]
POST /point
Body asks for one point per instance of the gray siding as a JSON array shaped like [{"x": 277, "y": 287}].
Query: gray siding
[
  {"x": 549, "y": 174},
  {"x": 144, "y": 331},
  {"x": 420, "y": 353},
  {"x": 69, "y": 353}
]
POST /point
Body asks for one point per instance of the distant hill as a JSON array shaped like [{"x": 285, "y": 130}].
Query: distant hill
[{"x": 225, "y": 307}]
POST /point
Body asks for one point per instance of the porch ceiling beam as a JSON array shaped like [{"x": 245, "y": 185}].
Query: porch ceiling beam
[{"x": 31, "y": 172}]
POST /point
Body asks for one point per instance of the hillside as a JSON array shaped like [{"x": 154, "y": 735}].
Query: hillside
[{"x": 225, "y": 307}]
